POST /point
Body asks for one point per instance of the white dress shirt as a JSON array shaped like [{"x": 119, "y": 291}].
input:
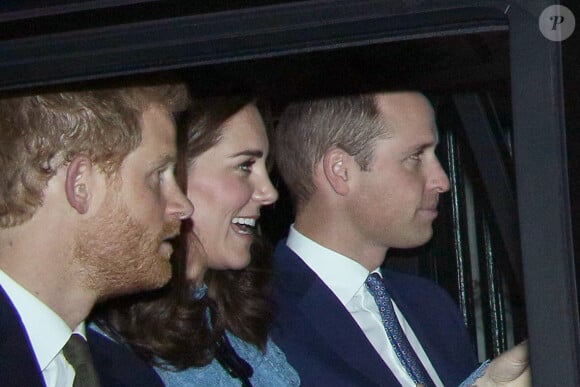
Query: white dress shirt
[
  {"x": 46, "y": 331},
  {"x": 346, "y": 279}
]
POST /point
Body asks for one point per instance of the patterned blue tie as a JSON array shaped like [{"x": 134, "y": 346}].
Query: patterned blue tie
[{"x": 397, "y": 337}]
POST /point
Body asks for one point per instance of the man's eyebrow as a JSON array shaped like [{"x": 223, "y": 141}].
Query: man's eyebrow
[
  {"x": 423, "y": 146},
  {"x": 428, "y": 143},
  {"x": 164, "y": 160}
]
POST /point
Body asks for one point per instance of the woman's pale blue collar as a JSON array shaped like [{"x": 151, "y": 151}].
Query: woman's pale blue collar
[{"x": 200, "y": 292}]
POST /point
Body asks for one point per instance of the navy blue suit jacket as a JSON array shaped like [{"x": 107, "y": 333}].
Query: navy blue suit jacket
[
  {"x": 116, "y": 365},
  {"x": 327, "y": 347}
]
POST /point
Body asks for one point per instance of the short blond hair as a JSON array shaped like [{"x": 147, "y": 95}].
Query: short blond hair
[{"x": 42, "y": 132}]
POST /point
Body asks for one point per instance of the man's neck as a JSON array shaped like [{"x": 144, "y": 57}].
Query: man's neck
[
  {"x": 47, "y": 272},
  {"x": 72, "y": 305},
  {"x": 334, "y": 235}
]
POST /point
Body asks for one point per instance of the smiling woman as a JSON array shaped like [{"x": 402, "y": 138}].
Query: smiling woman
[
  {"x": 211, "y": 326},
  {"x": 230, "y": 183}
]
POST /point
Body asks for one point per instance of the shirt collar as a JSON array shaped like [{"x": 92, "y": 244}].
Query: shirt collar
[
  {"x": 343, "y": 275},
  {"x": 46, "y": 330}
]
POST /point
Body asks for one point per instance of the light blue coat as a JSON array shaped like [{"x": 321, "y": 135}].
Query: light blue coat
[{"x": 271, "y": 369}]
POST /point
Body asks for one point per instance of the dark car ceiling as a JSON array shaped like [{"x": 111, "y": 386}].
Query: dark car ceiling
[
  {"x": 32, "y": 17},
  {"x": 438, "y": 64},
  {"x": 447, "y": 61}
]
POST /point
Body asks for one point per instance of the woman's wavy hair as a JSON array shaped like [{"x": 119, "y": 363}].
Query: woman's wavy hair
[{"x": 169, "y": 327}]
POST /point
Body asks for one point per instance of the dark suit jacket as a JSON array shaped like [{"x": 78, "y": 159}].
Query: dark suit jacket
[
  {"x": 117, "y": 366},
  {"x": 327, "y": 347}
]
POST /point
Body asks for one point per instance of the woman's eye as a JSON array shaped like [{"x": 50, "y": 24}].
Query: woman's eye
[{"x": 247, "y": 165}]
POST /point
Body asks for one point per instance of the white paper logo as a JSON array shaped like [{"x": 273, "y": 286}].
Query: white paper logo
[{"x": 557, "y": 23}]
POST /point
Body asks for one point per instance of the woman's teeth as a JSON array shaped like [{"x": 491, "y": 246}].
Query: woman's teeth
[
  {"x": 245, "y": 221},
  {"x": 245, "y": 225}
]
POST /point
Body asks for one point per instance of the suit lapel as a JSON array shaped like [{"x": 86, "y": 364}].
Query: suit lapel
[
  {"x": 337, "y": 330},
  {"x": 117, "y": 365},
  {"x": 18, "y": 366},
  {"x": 418, "y": 320}
]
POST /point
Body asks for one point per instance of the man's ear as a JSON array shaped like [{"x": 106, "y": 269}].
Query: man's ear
[
  {"x": 335, "y": 164},
  {"x": 77, "y": 185}
]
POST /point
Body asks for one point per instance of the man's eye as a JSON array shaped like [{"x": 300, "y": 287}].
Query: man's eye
[
  {"x": 157, "y": 176},
  {"x": 416, "y": 156}
]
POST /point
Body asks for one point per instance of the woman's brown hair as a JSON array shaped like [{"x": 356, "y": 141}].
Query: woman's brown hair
[{"x": 171, "y": 327}]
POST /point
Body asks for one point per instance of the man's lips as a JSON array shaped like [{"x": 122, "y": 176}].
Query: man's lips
[
  {"x": 166, "y": 249},
  {"x": 428, "y": 212},
  {"x": 171, "y": 236}
]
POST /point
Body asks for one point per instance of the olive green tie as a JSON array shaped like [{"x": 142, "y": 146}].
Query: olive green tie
[{"x": 77, "y": 353}]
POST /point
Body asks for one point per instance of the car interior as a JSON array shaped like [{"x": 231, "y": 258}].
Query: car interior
[{"x": 507, "y": 101}]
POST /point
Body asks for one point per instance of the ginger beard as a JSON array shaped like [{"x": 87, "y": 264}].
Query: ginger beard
[{"x": 119, "y": 255}]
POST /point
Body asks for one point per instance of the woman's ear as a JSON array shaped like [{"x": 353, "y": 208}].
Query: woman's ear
[
  {"x": 77, "y": 183},
  {"x": 335, "y": 163}
]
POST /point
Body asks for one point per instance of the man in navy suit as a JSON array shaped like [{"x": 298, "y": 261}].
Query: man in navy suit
[
  {"x": 364, "y": 177},
  {"x": 87, "y": 202}
]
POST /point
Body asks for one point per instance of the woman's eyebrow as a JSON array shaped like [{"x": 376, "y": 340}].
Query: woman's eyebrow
[{"x": 249, "y": 152}]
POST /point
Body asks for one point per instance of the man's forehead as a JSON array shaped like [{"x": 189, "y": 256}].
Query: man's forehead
[
  {"x": 157, "y": 127},
  {"x": 402, "y": 101},
  {"x": 157, "y": 138},
  {"x": 407, "y": 106}
]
